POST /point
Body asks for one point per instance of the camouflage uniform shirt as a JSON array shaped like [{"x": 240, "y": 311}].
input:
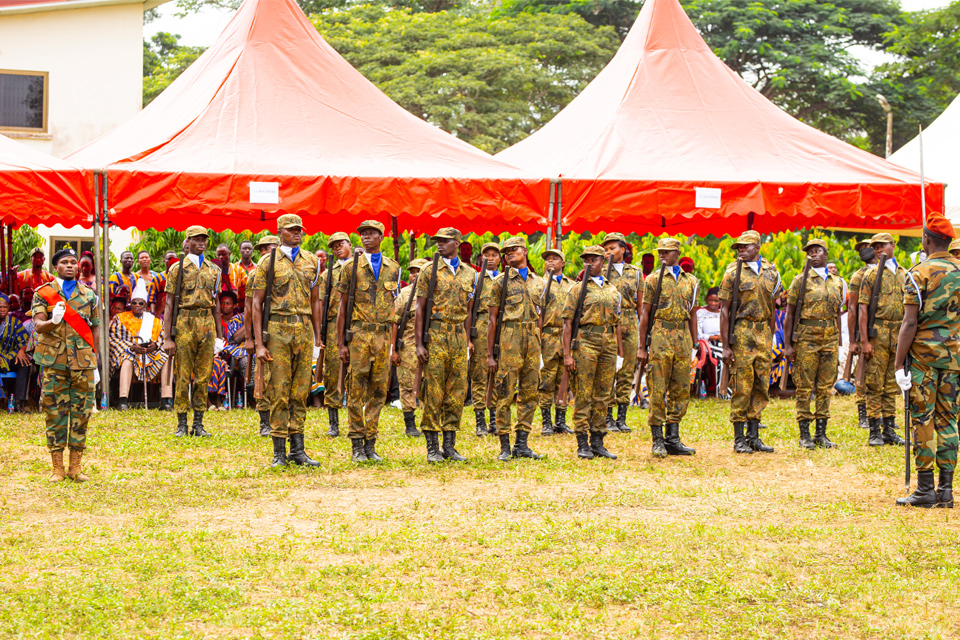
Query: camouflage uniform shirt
[
  {"x": 677, "y": 295},
  {"x": 375, "y": 296},
  {"x": 63, "y": 348},
  {"x": 200, "y": 286},
  {"x": 522, "y": 296},
  {"x": 554, "y": 304},
  {"x": 821, "y": 303},
  {"x": 757, "y": 291},
  {"x": 933, "y": 287},
  {"x": 292, "y": 282},
  {"x": 452, "y": 295},
  {"x": 890, "y": 301}
]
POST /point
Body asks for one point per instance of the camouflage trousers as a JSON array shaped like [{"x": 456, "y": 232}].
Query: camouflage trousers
[
  {"x": 669, "y": 374},
  {"x": 630, "y": 339},
  {"x": 814, "y": 373},
  {"x": 551, "y": 350},
  {"x": 286, "y": 380},
  {"x": 596, "y": 364},
  {"x": 369, "y": 368},
  {"x": 445, "y": 377},
  {"x": 406, "y": 372},
  {"x": 881, "y": 382},
  {"x": 67, "y": 401},
  {"x": 519, "y": 368},
  {"x": 478, "y": 369},
  {"x": 750, "y": 374},
  {"x": 194, "y": 360},
  {"x": 332, "y": 398},
  {"x": 933, "y": 416}
]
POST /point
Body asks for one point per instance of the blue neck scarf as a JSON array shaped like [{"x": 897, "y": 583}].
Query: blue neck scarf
[
  {"x": 376, "y": 261},
  {"x": 200, "y": 259},
  {"x": 69, "y": 286},
  {"x": 559, "y": 279},
  {"x": 523, "y": 273},
  {"x": 495, "y": 272},
  {"x": 455, "y": 263},
  {"x": 294, "y": 253},
  {"x": 675, "y": 270}
]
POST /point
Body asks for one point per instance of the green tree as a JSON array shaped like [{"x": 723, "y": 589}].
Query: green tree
[
  {"x": 619, "y": 14},
  {"x": 164, "y": 59}
]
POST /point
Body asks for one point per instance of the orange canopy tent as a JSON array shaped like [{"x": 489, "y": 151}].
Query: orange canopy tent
[
  {"x": 668, "y": 139},
  {"x": 271, "y": 120}
]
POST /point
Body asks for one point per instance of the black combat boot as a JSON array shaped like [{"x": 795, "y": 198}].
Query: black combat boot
[
  {"x": 596, "y": 445},
  {"x": 876, "y": 438},
  {"x": 182, "y": 429},
  {"x": 357, "y": 454},
  {"x": 611, "y": 423},
  {"x": 521, "y": 449},
  {"x": 333, "y": 417},
  {"x": 672, "y": 444},
  {"x": 583, "y": 446},
  {"x": 123, "y": 404},
  {"x": 945, "y": 490},
  {"x": 740, "y": 444},
  {"x": 505, "y": 453},
  {"x": 805, "y": 441},
  {"x": 862, "y": 420},
  {"x": 753, "y": 437},
  {"x": 547, "y": 421},
  {"x": 297, "y": 455},
  {"x": 166, "y": 404},
  {"x": 492, "y": 426},
  {"x": 370, "y": 449},
  {"x": 560, "y": 423},
  {"x": 925, "y": 496},
  {"x": 264, "y": 423},
  {"x": 279, "y": 452},
  {"x": 410, "y": 423},
  {"x": 480, "y": 415},
  {"x": 433, "y": 446},
  {"x": 198, "y": 429},
  {"x": 889, "y": 433},
  {"x": 820, "y": 437},
  {"x": 658, "y": 449},
  {"x": 621, "y": 422},
  {"x": 449, "y": 447}
]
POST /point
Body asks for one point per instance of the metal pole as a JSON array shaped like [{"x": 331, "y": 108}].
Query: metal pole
[
  {"x": 5, "y": 273},
  {"x": 556, "y": 240},
  {"x": 550, "y": 212},
  {"x": 102, "y": 283},
  {"x": 413, "y": 246},
  {"x": 923, "y": 185},
  {"x": 396, "y": 238},
  {"x": 12, "y": 269}
]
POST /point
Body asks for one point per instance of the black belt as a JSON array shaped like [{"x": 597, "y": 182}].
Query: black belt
[
  {"x": 296, "y": 319},
  {"x": 194, "y": 313},
  {"x": 823, "y": 324}
]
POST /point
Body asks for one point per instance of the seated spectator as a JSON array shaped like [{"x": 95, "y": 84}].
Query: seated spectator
[
  {"x": 88, "y": 271},
  {"x": 217, "y": 389},
  {"x": 117, "y": 306},
  {"x": 16, "y": 310},
  {"x": 13, "y": 351},
  {"x": 135, "y": 340},
  {"x": 708, "y": 329},
  {"x": 123, "y": 278}
]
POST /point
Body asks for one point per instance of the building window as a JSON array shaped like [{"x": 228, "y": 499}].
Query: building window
[{"x": 23, "y": 100}]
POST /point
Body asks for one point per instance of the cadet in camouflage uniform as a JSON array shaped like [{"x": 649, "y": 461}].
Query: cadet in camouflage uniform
[
  {"x": 954, "y": 248},
  {"x": 592, "y": 362},
  {"x": 445, "y": 362},
  {"x": 406, "y": 359},
  {"x": 199, "y": 332},
  {"x": 880, "y": 351},
  {"x": 368, "y": 351},
  {"x": 67, "y": 325},
  {"x": 628, "y": 280},
  {"x": 292, "y": 344},
  {"x": 551, "y": 347},
  {"x": 853, "y": 314},
  {"x": 490, "y": 268},
  {"x": 931, "y": 333},
  {"x": 340, "y": 249},
  {"x": 674, "y": 332},
  {"x": 264, "y": 245},
  {"x": 519, "y": 365},
  {"x": 813, "y": 348},
  {"x": 750, "y": 358}
]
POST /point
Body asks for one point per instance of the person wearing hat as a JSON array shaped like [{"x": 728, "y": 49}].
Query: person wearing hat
[
  {"x": 592, "y": 362},
  {"x": 629, "y": 282},
  {"x": 444, "y": 359},
  {"x": 673, "y": 330},
  {"x": 551, "y": 347},
  {"x": 813, "y": 348},
  {"x": 519, "y": 365},
  {"x": 880, "y": 350},
  {"x": 292, "y": 339},
  {"x": 340, "y": 249},
  {"x": 36, "y": 275},
  {"x": 930, "y": 333},
  {"x": 199, "y": 333},
  {"x": 750, "y": 359},
  {"x": 368, "y": 352},
  {"x": 406, "y": 359},
  {"x": 135, "y": 340},
  {"x": 67, "y": 326},
  {"x": 490, "y": 269},
  {"x": 869, "y": 258},
  {"x": 954, "y": 248}
]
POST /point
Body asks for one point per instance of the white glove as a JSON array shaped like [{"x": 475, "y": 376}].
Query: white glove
[
  {"x": 58, "y": 310},
  {"x": 619, "y": 363},
  {"x": 96, "y": 376},
  {"x": 541, "y": 362},
  {"x": 316, "y": 351},
  {"x": 903, "y": 379},
  {"x": 695, "y": 355},
  {"x": 218, "y": 345}
]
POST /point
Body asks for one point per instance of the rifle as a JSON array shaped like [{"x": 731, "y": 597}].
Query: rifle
[
  {"x": 546, "y": 300},
  {"x": 265, "y": 320},
  {"x": 732, "y": 323},
  {"x": 497, "y": 332},
  {"x": 872, "y": 313},
  {"x": 574, "y": 330},
  {"x": 652, "y": 317},
  {"x": 477, "y": 301},
  {"x": 348, "y": 319},
  {"x": 176, "y": 299},
  {"x": 404, "y": 321},
  {"x": 908, "y": 436},
  {"x": 855, "y": 339},
  {"x": 325, "y": 320},
  {"x": 427, "y": 318},
  {"x": 796, "y": 319}
]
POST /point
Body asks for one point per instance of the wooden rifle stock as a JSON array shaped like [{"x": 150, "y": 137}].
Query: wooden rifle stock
[
  {"x": 404, "y": 321},
  {"x": 574, "y": 330},
  {"x": 324, "y": 321},
  {"x": 731, "y": 326},
  {"x": 427, "y": 316},
  {"x": 498, "y": 330},
  {"x": 654, "y": 306},
  {"x": 546, "y": 300},
  {"x": 797, "y": 310},
  {"x": 477, "y": 301},
  {"x": 871, "y": 317},
  {"x": 348, "y": 319},
  {"x": 176, "y": 300}
]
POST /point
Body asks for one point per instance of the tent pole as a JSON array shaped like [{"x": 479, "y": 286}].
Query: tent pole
[
  {"x": 4, "y": 275},
  {"x": 101, "y": 282},
  {"x": 98, "y": 289},
  {"x": 396, "y": 238},
  {"x": 556, "y": 240},
  {"x": 923, "y": 186},
  {"x": 550, "y": 208},
  {"x": 750, "y": 221},
  {"x": 12, "y": 270},
  {"x": 413, "y": 246}
]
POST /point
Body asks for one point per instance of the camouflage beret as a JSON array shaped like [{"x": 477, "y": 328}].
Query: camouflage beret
[
  {"x": 619, "y": 237},
  {"x": 954, "y": 246},
  {"x": 419, "y": 263},
  {"x": 263, "y": 242},
  {"x": 882, "y": 238},
  {"x": 862, "y": 242},
  {"x": 553, "y": 252},
  {"x": 513, "y": 242},
  {"x": 815, "y": 242},
  {"x": 593, "y": 250},
  {"x": 196, "y": 230},
  {"x": 371, "y": 224},
  {"x": 490, "y": 245},
  {"x": 668, "y": 244},
  {"x": 448, "y": 233},
  {"x": 289, "y": 220},
  {"x": 747, "y": 237},
  {"x": 339, "y": 236}
]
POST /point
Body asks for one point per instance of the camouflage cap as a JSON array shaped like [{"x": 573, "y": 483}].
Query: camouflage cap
[
  {"x": 554, "y": 252},
  {"x": 337, "y": 237},
  {"x": 815, "y": 242},
  {"x": 954, "y": 246},
  {"x": 593, "y": 250},
  {"x": 512, "y": 242},
  {"x": 668, "y": 244},
  {"x": 747, "y": 237},
  {"x": 861, "y": 243},
  {"x": 419, "y": 263},
  {"x": 448, "y": 233},
  {"x": 37, "y": 250},
  {"x": 614, "y": 236},
  {"x": 490, "y": 245},
  {"x": 196, "y": 230},
  {"x": 266, "y": 241},
  {"x": 881, "y": 238},
  {"x": 289, "y": 220},
  {"x": 371, "y": 224}
]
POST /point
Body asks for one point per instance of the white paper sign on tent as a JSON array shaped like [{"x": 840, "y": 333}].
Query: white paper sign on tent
[
  {"x": 264, "y": 193},
  {"x": 708, "y": 198}
]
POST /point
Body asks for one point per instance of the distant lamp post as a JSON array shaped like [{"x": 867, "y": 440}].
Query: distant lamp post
[{"x": 889, "y": 111}]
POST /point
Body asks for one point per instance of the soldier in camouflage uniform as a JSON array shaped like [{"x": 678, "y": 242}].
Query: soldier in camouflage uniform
[
  {"x": 880, "y": 350},
  {"x": 199, "y": 332},
  {"x": 674, "y": 332},
  {"x": 445, "y": 362},
  {"x": 406, "y": 359},
  {"x": 368, "y": 351},
  {"x": 67, "y": 326},
  {"x": 519, "y": 364},
  {"x": 931, "y": 334},
  {"x": 592, "y": 362},
  {"x": 264, "y": 245},
  {"x": 490, "y": 268},
  {"x": 853, "y": 314},
  {"x": 551, "y": 347},
  {"x": 628, "y": 280},
  {"x": 340, "y": 249},
  {"x": 813, "y": 348},
  {"x": 292, "y": 342},
  {"x": 750, "y": 358},
  {"x": 954, "y": 249}
]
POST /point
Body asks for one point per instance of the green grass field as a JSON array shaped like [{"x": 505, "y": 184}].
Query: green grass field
[{"x": 188, "y": 538}]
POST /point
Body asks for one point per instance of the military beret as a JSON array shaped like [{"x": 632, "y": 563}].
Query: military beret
[
  {"x": 371, "y": 224},
  {"x": 619, "y": 237},
  {"x": 419, "y": 263},
  {"x": 512, "y": 242},
  {"x": 881, "y": 238},
  {"x": 339, "y": 236},
  {"x": 939, "y": 225},
  {"x": 747, "y": 237},
  {"x": 593, "y": 250},
  {"x": 448, "y": 233},
  {"x": 263, "y": 242},
  {"x": 815, "y": 242},
  {"x": 288, "y": 220},
  {"x": 668, "y": 244},
  {"x": 197, "y": 230},
  {"x": 553, "y": 252},
  {"x": 490, "y": 245},
  {"x": 63, "y": 253}
]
